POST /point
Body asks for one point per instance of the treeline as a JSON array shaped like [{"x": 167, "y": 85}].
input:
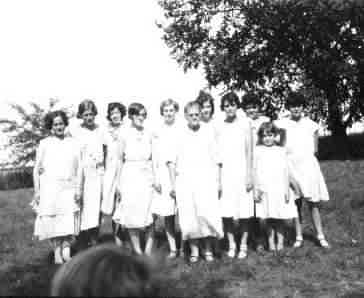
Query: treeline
[{"x": 16, "y": 178}]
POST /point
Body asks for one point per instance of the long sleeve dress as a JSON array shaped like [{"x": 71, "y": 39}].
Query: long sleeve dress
[
  {"x": 235, "y": 147},
  {"x": 272, "y": 174},
  {"x": 92, "y": 163},
  {"x": 57, "y": 180},
  {"x": 135, "y": 209},
  {"x": 304, "y": 164},
  {"x": 113, "y": 137},
  {"x": 196, "y": 161}
]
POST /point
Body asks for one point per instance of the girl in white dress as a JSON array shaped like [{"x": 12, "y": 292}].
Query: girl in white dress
[
  {"x": 113, "y": 160},
  {"x": 90, "y": 137},
  {"x": 57, "y": 183},
  {"x": 138, "y": 180},
  {"x": 235, "y": 148},
  {"x": 252, "y": 106},
  {"x": 193, "y": 169},
  {"x": 166, "y": 138},
  {"x": 302, "y": 145},
  {"x": 272, "y": 180}
]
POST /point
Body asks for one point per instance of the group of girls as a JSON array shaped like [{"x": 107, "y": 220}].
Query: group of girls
[{"x": 212, "y": 173}]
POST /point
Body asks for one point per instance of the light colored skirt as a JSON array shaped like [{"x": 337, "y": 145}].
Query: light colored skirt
[
  {"x": 306, "y": 170},
  {"x": 135, "y": 209},
  {"x": 51, "y": 226}
]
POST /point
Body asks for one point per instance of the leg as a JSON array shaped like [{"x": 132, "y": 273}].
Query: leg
[
  {"x": 299, "y": 237},
  {"x": 93, "y": 234},
  {"x": 229, "y": 232},
  {"x": 135, "y": 240},
  {"x": 66, "y": 248},
  {"x": 260, "y": 234},
  {"x": 116, "y": 232},
  {"x": 182, "y": 244},
  {"x": 280, "y": 234},
  {"x": 171, "y": 235},
  {"x": 57, "y": 248},
  {"x": 208, "y": 249},
  {"x": 316, "y": 219},
  {"x": 149, "y": 240},
  {"x": 194, "y": 250},
  {"x": 298, "y": 203},
  {"x": 271, "y": 233},
  {"x": 243, "y": 225}
]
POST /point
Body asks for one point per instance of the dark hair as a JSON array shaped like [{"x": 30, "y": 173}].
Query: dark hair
[
  {"x": 251, "y": 99},
  {"x": 264, "y": 128},
  {"x": 206, "y": 97},
  {"x": 115, "y": 105},
  {"x": 231, "y": 98},
  {"x": 104, "y": 271},
  {"x": 134, "y": 109},
  {"x": 295, "y": 99},
  {"x": 168, "y": 102},
  {"x": 190, "y": 105},
  {"x": 85, "y": 105},
  {"x": 49, "y": 118}
]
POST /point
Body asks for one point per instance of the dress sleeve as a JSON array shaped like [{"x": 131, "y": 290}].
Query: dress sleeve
[{"x": 38, "y": 167}]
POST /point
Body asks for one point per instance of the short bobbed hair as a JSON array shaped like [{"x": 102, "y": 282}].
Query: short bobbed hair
[
  {"x": 251, "y": 100},
  {"x": 191, "y": 104},
  {"x": 86, "y": 105},
  {"x": 49, "y": 118},
  {"x": 104, "y": 271},
  {"x": 295, "y": 99},
  {"x": 134, "y": 109},
  {"x": 206, "y": 97},
  {"x": 231, "y": 98},
  {"x": 266, "y": 128},
  {"x": 168, "y": 102},
  {"x": 115, "y": 105}
]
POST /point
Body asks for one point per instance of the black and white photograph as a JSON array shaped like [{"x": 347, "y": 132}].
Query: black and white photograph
[{"x": 182, "y": 148}]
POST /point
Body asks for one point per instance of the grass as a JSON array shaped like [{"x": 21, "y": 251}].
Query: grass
[{"x": 307, "y": 272}]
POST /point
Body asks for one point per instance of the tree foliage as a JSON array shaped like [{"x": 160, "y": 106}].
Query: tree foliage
[
  {"x": 24, "y": 131},
  {"x": 274, "y": 45}
]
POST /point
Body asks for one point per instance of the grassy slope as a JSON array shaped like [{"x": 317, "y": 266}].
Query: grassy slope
[{"x": 307, "y": 272}]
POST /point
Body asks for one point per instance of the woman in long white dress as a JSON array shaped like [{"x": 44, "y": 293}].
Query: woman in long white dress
[
  {"x": 166, "y": 138},
  {"x": 89, "y": 135},
  {"x": 272, "y": 180},
  {"x": 138, "y": 180},
  {"x": 57, "y": 187},
  {"x": 196, "y": 185},
  {"x": 235, "y": 148},
  {"x": 113, "y": 161},
  {"x": 302, "y": 147}
]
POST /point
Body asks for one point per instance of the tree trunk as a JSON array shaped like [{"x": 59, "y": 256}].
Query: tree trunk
[{"x": 340, "y": 142}]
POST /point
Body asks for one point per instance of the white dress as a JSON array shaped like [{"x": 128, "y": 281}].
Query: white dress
[
  {"x": 134, "y": 211},
  {"x": 234, "y": 143},
  {"x": 92, "y": 161},
  {"x": 300, "y": 148},
  {"x": 166, "y": 138},
  {"x": 57, "y": 181},
  {"x": 113, "y": 137},
  {"x": 272, "y": 179},
  {"x": 196, "y": 160}
]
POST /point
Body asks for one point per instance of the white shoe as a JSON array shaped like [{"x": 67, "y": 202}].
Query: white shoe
[
  {"x": 231, "y": 253},
  {"x": 243, "y": 252},
  {"x": 298, "y": 243},
  {"x": 324, "y": 243},
  {"x": 66, "y": 253},
  {"x": 209, "y": 257}
]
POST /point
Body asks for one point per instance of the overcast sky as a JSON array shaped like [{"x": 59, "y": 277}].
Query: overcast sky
[{"x": 105, "y": 50}]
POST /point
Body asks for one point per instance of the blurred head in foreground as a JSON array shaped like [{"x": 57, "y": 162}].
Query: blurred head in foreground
[{"x": 104, "y": 271}]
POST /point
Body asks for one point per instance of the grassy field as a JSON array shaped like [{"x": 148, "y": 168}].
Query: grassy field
[{"x": 306, "y": 272}]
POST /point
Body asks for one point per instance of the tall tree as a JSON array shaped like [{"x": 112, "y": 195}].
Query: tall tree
[
  {"x": 24, "y": 131},
  {"x": 273, "y": 45}
]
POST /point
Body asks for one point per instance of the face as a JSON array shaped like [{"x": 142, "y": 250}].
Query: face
[
  {"x": 193, "y": 116},
  {"x": 230, "y": 109},
  {"x": 169, "y": 114},
  {"x": 138, "y": 120},
  {"x": 268, "y": 139},
  {"x": 115, "y": 116},
  {"x": 58, "y": 126},
  {"x": 252, "y": 112},
  {"x": 296, "y": 112},
  {"x": 206, "y": 111},
  {"x": 88, "y": 118}
]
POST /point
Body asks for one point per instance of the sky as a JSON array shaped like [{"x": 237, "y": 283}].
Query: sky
[{"x": 105, "y": 50}]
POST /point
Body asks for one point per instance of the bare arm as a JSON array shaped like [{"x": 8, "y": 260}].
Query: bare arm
[{"x": 172, "y": 177}]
